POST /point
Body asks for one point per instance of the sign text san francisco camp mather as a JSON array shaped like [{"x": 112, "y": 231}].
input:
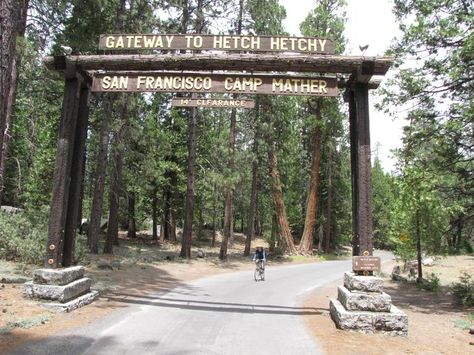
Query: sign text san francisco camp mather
[
  {"x": 215, "y": 42},
  {"x": 214, "y": 83}
]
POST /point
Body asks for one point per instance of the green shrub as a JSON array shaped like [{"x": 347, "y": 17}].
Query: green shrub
[
  {"x": 431, "y": 283},
  {"x": 23, "y": 236},
  {"x": 464, "y": 290}
]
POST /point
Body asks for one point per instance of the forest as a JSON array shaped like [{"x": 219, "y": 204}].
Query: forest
[{"x": 280, "y": 170}]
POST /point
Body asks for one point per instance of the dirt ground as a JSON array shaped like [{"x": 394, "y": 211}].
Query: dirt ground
[
  {"x": 434, "y": 320},
  {"x": 143, "y": 267}
]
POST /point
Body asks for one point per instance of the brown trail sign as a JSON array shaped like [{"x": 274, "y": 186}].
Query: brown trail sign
[
  {"x": 217, "y": 83},
  {"x": 215, "y": 42}
]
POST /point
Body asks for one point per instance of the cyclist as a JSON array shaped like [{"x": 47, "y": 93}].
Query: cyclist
[{"x": 260, "y": 255}]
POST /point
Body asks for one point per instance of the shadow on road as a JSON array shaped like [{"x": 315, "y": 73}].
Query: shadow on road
[{"x": 208, "y": 306}]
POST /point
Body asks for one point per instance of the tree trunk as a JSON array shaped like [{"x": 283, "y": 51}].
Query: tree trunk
[
  {"x": 306, "y": 243},
  {"x": 13, "y": 15},
  {"x": 165, "y": 217},
  {"x": 169, "y": 214},
  {"x": 258, "y": 215},
  {"x": 277, "y": 192},
  {"x": 460, "y": 225},
  {"x": 99, "y": 182},
  {"x": 214, "y": 217},
  {"x": 114, "y": 193},
  {"x": 253, "y": 197},
  {"x": 132, "y": 226},
  {"x": 229, "y": 189},
  {"x": 228, "y": 209},
  {"x": 328, "y": 240},
  {"x": 419, "y": 278},
  {"x": 320, "y": 239},
  {"x": 274, "y": 233},
  {"x": 154, "y": 208},
  {"x": 80, "y": 215},
  {"x": 189, "y": 209}
]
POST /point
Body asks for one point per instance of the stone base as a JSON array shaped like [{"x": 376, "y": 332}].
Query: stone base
[
  {"x": 74, "y": 304},
  {"x": 394, "y": 322},
  {"x": 354, "y": 282},
  {"x": 58, "y": 277},
  {"x": 66, "y": 286},
  {"x": 364, "y": 301},
  {"x": 57, "y": 293}
]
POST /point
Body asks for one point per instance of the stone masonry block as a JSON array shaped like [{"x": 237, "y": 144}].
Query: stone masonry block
[
  {"x": 58, "y": 293},
  {"x": 73, "y": 304},
  {"x": 345, "y": 320},
  {"x": 364, "y": 301},
  {"x": 58, "y": 276},
  {"x": 395, "y": 322},
  {"x": 362, "y": 283}
]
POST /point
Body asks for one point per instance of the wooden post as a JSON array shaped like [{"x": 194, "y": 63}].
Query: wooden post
[
  {"x": 62, "y": 176},
  {"x": 360, "y": 169},
  {"x": 76, "y": 178}
]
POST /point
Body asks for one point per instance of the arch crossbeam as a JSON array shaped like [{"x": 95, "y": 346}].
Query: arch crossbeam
[{"x": 249, "y": 62}]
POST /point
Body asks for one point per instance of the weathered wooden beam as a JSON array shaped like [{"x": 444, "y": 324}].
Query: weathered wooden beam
[
  {"x": 76, "y": 178},
  {"x": 62, "y": 173},
  {"x": 237, "y": 62},
  {"x": 360, "y": 169},
  {"x": 372, "y": 84}
]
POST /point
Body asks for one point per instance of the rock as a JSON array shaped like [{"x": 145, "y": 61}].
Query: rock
[
  {"x": 471, "y": 330},
  {"x": 10, "y": 209},
  {"x": 200, "y": 253},
  {"x": 428, "y": 262},
  {"x": 116, "y": 264},
  {"x": 13, "y": 279},
  {"x": 363, "y": 283},
  {"x": 73, "y": 304},
  {"x": 364, "y": 301},
  {"x": 396, "y": 273},
  {"x": 104, "y": 266},
  {"x": 58, "y": 293},
  {"x": 58, "y": 276}
]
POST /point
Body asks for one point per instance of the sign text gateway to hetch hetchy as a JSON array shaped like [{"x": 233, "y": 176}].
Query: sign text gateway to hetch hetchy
[
  {"x": 214, "y": 83},
  {"x": 215, "y": 42}
]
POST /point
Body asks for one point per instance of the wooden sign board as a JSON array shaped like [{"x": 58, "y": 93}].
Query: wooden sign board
[
  {"x": 214, "y": 103},
  {"x": 215, "y": 83},
  {"x": 215, "y": 42},
  {"x": 365, "y": 263}
]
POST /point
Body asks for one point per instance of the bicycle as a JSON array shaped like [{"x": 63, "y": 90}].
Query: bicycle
[{"x": 259, "y": 274}]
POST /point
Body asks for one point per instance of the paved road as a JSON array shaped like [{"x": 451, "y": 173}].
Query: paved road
[{"x": 223, "y": 314}]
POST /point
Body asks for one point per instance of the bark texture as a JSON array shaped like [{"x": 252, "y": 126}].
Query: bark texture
[
  {"x": 306, "y": 243},
  {"x": 99, "y": 183},
  {"x": 277, "y": 192},
  {"x": 189, "y": 210}
]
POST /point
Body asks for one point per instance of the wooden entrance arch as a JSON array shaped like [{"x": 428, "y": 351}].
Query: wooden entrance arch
[{"x": 353, "y": 74}]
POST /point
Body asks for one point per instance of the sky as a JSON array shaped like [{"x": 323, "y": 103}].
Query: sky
[{"x": 368, "y": 22}]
